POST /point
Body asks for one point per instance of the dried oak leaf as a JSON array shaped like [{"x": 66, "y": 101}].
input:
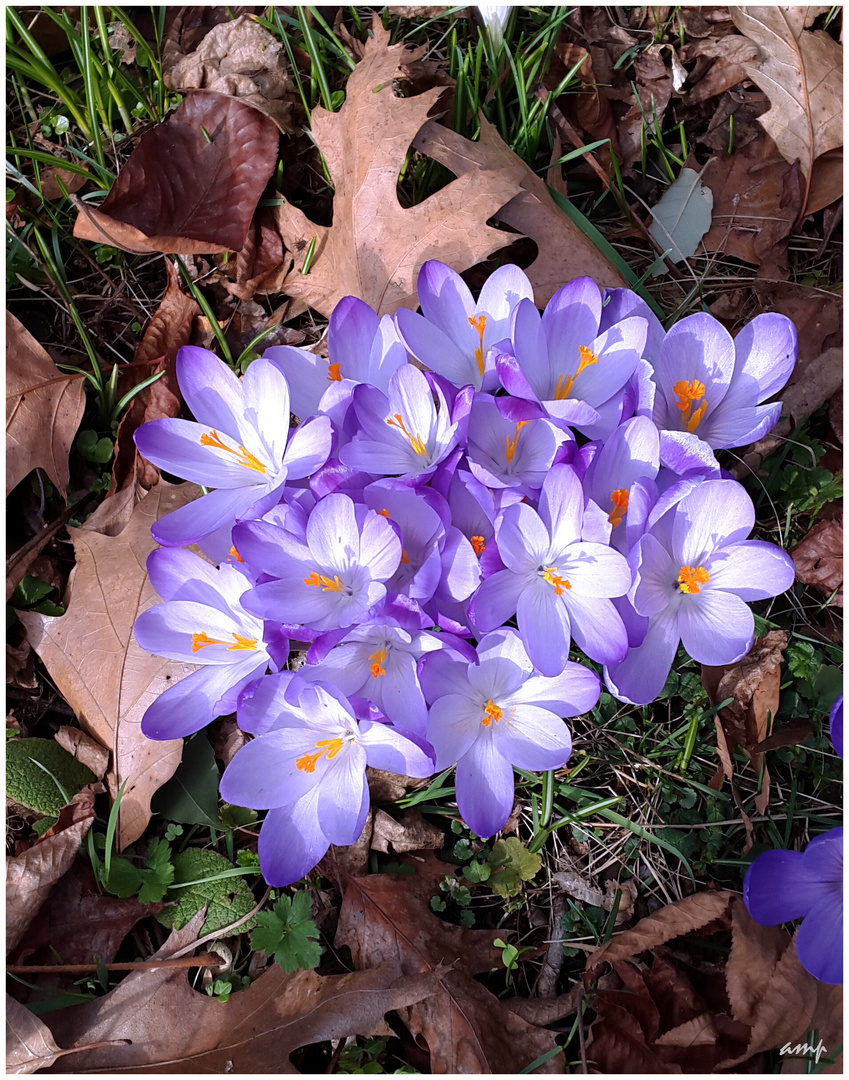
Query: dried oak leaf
[
  {"x": 801, "y": 72},
  {"x": 386, "y": 919},
  {"x": 241, "y": 59},
  {"x": 192, "y": 183},
  {"x": 92, "y": 656},
  {"x": 29, "y": 1044},
  {"x": 85, "y": 749},
  {"x": 166, "y": 333},
  {"x": 44, "y": 407},
  {"x": 31, "y": 875},
  {"x": 411, "y": 833},
  {"x": 256, "y": 1032},
  {"x": 819, "y": 559},
  {"x": 375, "y": 247},
  {"x": 564, "y": 252}
]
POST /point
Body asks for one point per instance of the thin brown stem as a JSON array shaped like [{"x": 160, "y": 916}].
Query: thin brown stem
[{"x": 137, "y": 965}]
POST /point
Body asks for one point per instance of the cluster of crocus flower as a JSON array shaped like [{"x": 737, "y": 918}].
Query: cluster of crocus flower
[{"x": 472, "y": 495}]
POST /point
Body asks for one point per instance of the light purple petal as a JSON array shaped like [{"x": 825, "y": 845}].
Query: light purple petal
[
  {"x": 453, "y": 724},
  {"x": 682, "y": 452},
  {"x": 309, "y": 447},
  {"x": 496, "y": 600},
  {"x": 716, "y": 627},
  {"x": 198, "y": 519},
  {"x": 544, "y": 625},
  {"x": 715, "y": 513},
  {"x": 266, "y": 397},
  {"x": 380, "y": 548},
  {"x": 594, "y": 570},
  {"x": 561, "y": 505},
  {"x": 444, "y": 298},
  {"x": 343, "y": 796},
  {"x": 485, "y": 788},
  {"x": 269, "y": 703},
  {"x": 443, "y": 672},
  {"x": 522, "y": 537},
  {"x": 306, "y": 376},
  {"x": 432, "y": 346},
  {"x": 291, "y": 842},
  {"x": 504, "y": 665},
  {"x": 534, "y": 739},
  {"x": 501, "y": 292},
  {"x": 597, "y": 629},
  {"x": 655, "y": 578},
  {"x": 640, "y": 677},
  {"x": 175, "y": 445},
  {"x": 350, "y": 334},
  {"x": 181, "y": 575},
  {"x": 697, "y": 348},
  {"x": 265, "y": 773},
  {"x": 332, "y": 533},
  {"x": 189, "y": 705},
  {"x": 752, "y": 569},
  {"x": 574, "y": 691},
  {"x": 395, "y": 751},
  {"x": 209, "y": 387},
  {"x": 765, "y": 353}
]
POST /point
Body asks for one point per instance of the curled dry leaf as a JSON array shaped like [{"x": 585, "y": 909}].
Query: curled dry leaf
[
  {"x": 386, "y": 919},
  {"x": 31, "y": 875},
  {"x": 411, "y": 833},
  {"x": 819, "y": 559},
  {"x": 29, "y": 1044},
  {"x": 563, "y": 250},
  {"x": 375, "y": 247},
  {"x": 85, "y": 749},
  {"x": 92, "y": 656},
  {"x": 241, "y": 59},
  {"x": 801, "y": 72},
  {"x": 192, "y": 183},
  {"x": 44, "y": 407}
]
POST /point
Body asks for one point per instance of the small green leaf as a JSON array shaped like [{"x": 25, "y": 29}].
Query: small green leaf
[
  {"x": 93, "y": 448},
  {"x": 61, "y": 124},
  {"x": 236, "y": 817},
  {"x": 288, "y": 933},
  {"x": 437, "y": 903},
  {"x": 476, "y": 872},
  {"x": 227, "y": 899},
  {"x": 28, "y": 591},
  {"x": 511, "y": 864}
]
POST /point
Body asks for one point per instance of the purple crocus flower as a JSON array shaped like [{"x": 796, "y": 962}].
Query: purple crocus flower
[
  {"x": 562, "y": 367},
  {"x": 202, "y": 622},
  {"x": 328, "y": 578},
  {"x": 361, "y": 349},
  {"x": 781, "y": 886},
  {"x": 694, "y": 570},
  {"x": 307, "y": 766},
  {"x": 454, "y": 335},
  {"x": 558, "y": 585},
  {"x": 496, "y": 714},
  {"x": 711, "y": 386},
  {"x": 502, "y": 453},
  {"x": 403, "y": 434},
  {"x": 835, "y": 726},
  {"x": 238, "y": 443}
]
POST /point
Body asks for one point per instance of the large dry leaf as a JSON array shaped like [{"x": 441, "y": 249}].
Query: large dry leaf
[
  {"x": 191, "y": 185},
  {"x": 755, "y": 950},
  {"x": 819, "y": 559},
  {"x": 412, "y": 833},
  {"x": 29, "y": 1044},
  {"x": 386, "y": 919},
  {"x": 563, "y": 250},
  {"x": 31, "y": 875},
  {"x": 176, "y": 1029},
  {"x": 44, "y": 407},
  {"x": 92, "y": 656},
  {"x": 801, "y": 72},
  {"x": 375, "y": 248}
]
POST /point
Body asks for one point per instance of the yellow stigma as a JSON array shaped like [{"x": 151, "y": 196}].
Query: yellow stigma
[
  {"x": 510, "y": 444},
  {"x": 619, "y": 498},
  {"x": 199, "y": 641},
  {"x": 333, "y": 374},
  {"x": 691, "y": 578},
  {"x": 330, "y": 747},
  {"x": 415, "y": 440},
  {"x": 235, "y": 555},
  {"x": 688, "y": 393},
  {"x": 324, "y": 583},
  {"x": 243, "y": 456},
  {"x": 553, "y": 578},
  {"x": 377, "y": 659},
  {"x": 478, "y": 544},
  {"x": 565, "y": 384},
  {"x": 490, "y": 713},
  {"x": 479, "y": 323}
]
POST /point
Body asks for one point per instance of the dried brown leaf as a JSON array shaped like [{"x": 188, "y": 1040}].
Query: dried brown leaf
[
  {"x": 92, "y": 656},
  {"x": 411, "y": 833},
  {"x": 819, "y": 559},
  {"x": 44, "y": 407},
  {"x": 386, "y": 919},
  {"x": 192, "y": 183},
  {"x": 85, "y": 749},
  {"x": 564, "y": 252},
  {"x": 821, "y": 379},
  {"x": 29, "y": 1044},
  {"x": 755, "y": 950},
  {"x": 700, "y": 1031},
  {"x": 375, "y": 248},
  {"x": 802, "y": 74},
  {"x": 31, "y": 875}
]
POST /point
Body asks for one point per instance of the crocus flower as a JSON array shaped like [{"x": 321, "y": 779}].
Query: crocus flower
[
  {"x": 495, "y": 18},
  {"x": 558, "y": 585},
  {"x": 402, "y": 434},
  {"x": 835, "y": 726},
  {"x": 562, "y": 367},
  {"x": 202, "y": 622},
  {"x": 328, "y": 578},
  {"x": 711, "y": 386},
  {"x": 361, "y": 349},
  {"x": 238, "y": 443},
  {"x": 694, "y": 570},
  {"x": 307, "y": 766},
  {"x": 454, "y": 335},
  {"x": 496, "y": 714},
  {"x": 502, "y": 453}
]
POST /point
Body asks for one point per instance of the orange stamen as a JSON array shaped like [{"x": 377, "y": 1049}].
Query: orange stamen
[
  {"x": 235, "y": 555},
  {"x": 325, "y": 583},
  {"x": 588, "y": 358},
  {"x": 552, "y": 577},
  {"x": 415, "y": 440},
  {"x": 330, "y": 747},
  {"x": 688, "y": 393},
  {"x": 377, "y": 659},
  {"x": 619, "y": 498},
  {"x": 405, "y": 558},
  {"x": 510, "y": 444},
  {"x": 384, "y": 512},
  {"x": 333, "y": 374},
  {"x": 479, "y": 323},
  {"x": 478, "y": 544},
  {"x": 691, "y": 578},
  {"x": 244, "y": 457},
  {"x": 199, "y": 641},
  {"x": 490, "y": 713}
]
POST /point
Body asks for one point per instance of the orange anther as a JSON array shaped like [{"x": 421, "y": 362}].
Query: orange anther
[
  {"x": 377, "y": 659},
  {"x": 490, "y": 713},
  {"x": 564, "y": 386},
  {"x": 691, "y": 578},
  {"x": 330, "y": 747},
  {"x": 324, "y": 583},
  {"x": 415, "y": 440},
  {"x": 479, "y": 323},
  {"x": 243, "y": 456},
  {"x": 478, "y": 544},
  {"x": 619, "y": 498},
  {"x": 333, "y": 374},
  {"x": 553, "y": 578},
  {"x": 510, "y": 444},
  {"x": 688, "y": 393}
]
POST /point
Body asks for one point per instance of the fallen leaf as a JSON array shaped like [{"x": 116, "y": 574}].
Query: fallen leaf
[
  {"x": 353, "y": 858},
  {"x": 822, "y": 379},
  {"x": 50, "y": 177},
  {"x": 92, "y": 656},
  {"x": 44, "y": 407},
  {"x": 241, "y": 59},
  {"x": 819, "y": 559},
  {"x": 720, "y": 65},
  {"x": 192, "y": 183},
  {"x": 29, "y": 1044},
  {"x": 166, "y": 333},
  {"x": 587, "y": 108},
  {"x": 802, "y": 74},
  {"x": 85, "y": 749},
  {"x": 564, "y": 252},
  {"x": 31, "y": 875},
  {"x": 755, "y": 950},
  {"x": 375, "y": 247},
  {"x": 578, "y": 886},
  {"x": 682, "y": 217},
  {"x": 411, "y": 833},
  {"x": 386, "y": 919},
  {"x": 826, "y": 181}
]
